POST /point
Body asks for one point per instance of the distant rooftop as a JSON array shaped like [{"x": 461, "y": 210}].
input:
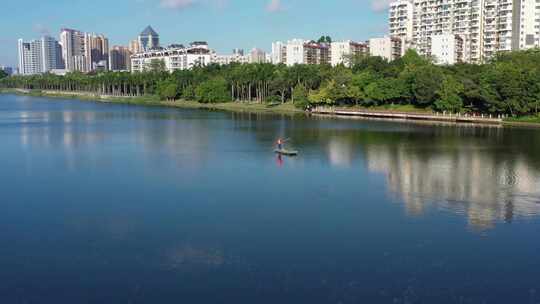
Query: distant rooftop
[
  {"x": 149, "y": 31},
  {"x": 176, "y": 46}
]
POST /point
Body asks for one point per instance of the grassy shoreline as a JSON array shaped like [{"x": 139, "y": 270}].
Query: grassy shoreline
[
  {"x": 287, "y": 108},
  {"x": 524, "y": 121}
]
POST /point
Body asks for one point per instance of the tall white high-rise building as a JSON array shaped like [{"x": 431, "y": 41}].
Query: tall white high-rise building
[
  {"x": 30, "y": 57},
  {"x": 497, "y": 22},
  {"x": 462, "y": 17},
  {"x": 51, "y": 54},
  {"x": 84, "y": 52},
  {"x": 279, "y": 53},
  {"x": 39, "y": 56},
  {"x": 485, "y": 26},
  {"x": 295, "y": 52},
  {"x": 73, "y": 50},
  {"x": 400, "y": 25},
  {"x": 528, "y": 24}
]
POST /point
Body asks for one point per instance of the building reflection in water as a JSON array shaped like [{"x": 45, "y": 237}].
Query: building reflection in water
[
  {"x": 67, "y": 130},
  {"x": 37, "y": 130},
  {"x": 341, "y": 152},
  {"x": 487, "y": 174},
  {"x": 472, "y": 178},
  {"x": 153, "y": 132}
]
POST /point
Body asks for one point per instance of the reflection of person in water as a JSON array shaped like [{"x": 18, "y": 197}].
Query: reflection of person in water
[{"x": 279, "y": 160}]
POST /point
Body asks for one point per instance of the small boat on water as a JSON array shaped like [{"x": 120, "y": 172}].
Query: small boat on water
[{"x": 286, "y": 152}]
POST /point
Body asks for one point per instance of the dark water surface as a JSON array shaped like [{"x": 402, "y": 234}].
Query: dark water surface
[{"x": 125, "y": 204}]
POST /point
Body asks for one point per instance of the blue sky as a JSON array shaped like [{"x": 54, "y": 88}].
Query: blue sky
[{"x": 225, "y": 24}]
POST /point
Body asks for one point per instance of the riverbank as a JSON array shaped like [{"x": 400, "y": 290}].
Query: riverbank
[
  {"x": 411, "y": 115},
  {"x": 287, "y": 108},
  {"x": 405, "y": 112}
]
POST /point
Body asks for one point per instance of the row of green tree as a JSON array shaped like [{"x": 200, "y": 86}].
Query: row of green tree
[{"x": 508, "y": 84}]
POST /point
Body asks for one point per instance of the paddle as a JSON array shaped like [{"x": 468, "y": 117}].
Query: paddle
[{"x": 284, "y": 141}]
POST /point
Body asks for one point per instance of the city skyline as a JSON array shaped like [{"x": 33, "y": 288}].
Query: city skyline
[{"x": 266, "y": 21}]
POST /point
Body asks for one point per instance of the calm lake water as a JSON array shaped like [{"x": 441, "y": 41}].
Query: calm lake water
[{"x": 126, "y": 204}]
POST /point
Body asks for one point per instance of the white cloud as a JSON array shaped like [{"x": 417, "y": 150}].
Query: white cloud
[
  {"x": 274, "y": 6},
  {"x": 177, "y": 4},
  {"x": 185, "y": 4},
  {"x": 380, "y": 5}
]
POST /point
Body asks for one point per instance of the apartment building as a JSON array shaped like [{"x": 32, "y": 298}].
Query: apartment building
[
  {"x": 484, "y": 26},
  {"x": 84, "y": 52},
  {"x": 134, "y": 46},
  {"x": 30, "y": 58},
  {"x": 73, "y": 50},
  {"x": 317, "y": 53},
  {"x": 529, "y": 28},
  {"x": 228, "y": 59},
  {"x": 39, "y": 56},
  {"x": 96, "y": 51},
  {"x": 174, "y": 58},
  {"x": 51, "y": 54},
  {"x": 238, "y": 52},
  {"x": 461, "y": 17},
  {"x": 447, "y": 49},
  {"x": 119, "y": 58},
  {"x": 294, "y": 52},
  {"x": 389, "y": 48},
  {"x": 257, "y": 56},
  {"x": 299, "y": 51},
  {"x": 342, "y": 51},
  {"x": 400, "y": 24},
  {"x": 279, "y": 53}
]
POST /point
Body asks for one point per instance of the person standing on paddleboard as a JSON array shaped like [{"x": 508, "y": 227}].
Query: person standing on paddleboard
[{"x": 280, "y": 144}]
